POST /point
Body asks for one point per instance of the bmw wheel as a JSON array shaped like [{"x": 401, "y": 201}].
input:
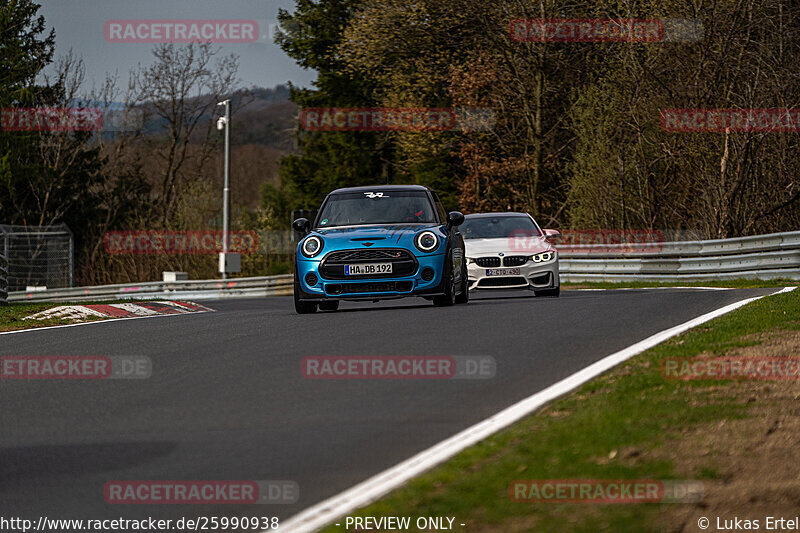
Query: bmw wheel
[{"x": 549, "y": 292}]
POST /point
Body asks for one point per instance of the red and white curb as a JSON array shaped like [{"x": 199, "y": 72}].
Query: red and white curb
[{"x": 124, "y": 310}]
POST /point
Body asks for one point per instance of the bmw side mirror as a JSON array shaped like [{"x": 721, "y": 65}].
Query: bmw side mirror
[
  {"x": 302, "y": 225},
  {"x": 454, "y": 218},
  {"x": 551, "y": 233}
]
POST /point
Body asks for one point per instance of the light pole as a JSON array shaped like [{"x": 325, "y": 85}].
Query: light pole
[{"x": 225, "y": 122}]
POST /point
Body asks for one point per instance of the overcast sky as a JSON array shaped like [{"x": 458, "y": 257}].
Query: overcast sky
[{"x": 79, "y": 25}]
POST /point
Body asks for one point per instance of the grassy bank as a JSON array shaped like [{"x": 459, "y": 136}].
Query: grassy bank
[{"x": 628, "y": 424}]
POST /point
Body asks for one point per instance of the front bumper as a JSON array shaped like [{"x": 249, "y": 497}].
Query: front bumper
[
  {"x": 372, "y": 288},
  {"x": 531, "y": 276}
]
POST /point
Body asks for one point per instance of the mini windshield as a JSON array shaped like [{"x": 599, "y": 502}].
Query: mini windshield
[
  {"x": 498, "y": 227},
  {"x": 379, "y": 207}
]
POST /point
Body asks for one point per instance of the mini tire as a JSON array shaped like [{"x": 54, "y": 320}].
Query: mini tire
[
  {"x": 301, "y": 307},
  {"x": 449, "y": 297}
]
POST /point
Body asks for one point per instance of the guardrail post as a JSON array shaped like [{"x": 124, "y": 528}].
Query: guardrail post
[{"x": 3, "y": 281}]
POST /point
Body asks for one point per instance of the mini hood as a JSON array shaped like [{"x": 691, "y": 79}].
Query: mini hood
[
  {"x": 381, "y": 234},
  {"x": 378, "y": 236}
]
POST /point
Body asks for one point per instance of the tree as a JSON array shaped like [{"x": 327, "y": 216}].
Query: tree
[
  {"x": 327, "y": 160},
  {"x": 48, "y": 177},
  {"x": 179, "y": 92}
]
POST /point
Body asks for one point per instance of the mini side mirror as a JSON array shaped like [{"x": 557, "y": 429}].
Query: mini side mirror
[
  {"x": 302, "y": 225},
  {"x": 454, "y": 218}
]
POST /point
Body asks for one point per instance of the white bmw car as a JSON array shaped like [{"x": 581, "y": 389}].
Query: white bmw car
[{"x": 510, "y": 251}]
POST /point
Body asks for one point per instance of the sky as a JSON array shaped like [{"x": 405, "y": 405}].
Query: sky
[{"x": 81, "y": 25}]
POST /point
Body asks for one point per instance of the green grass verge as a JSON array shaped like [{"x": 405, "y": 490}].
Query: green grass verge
[
  {"x": 733, "y": 284},
  {"x": 587, "y": 434}
]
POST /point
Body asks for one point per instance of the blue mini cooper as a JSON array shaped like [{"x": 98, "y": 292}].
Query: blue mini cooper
[{"x": 377, "y": 243}]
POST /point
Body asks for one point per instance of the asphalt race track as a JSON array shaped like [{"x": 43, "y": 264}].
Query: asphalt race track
[{"x": 226, "y": 400}]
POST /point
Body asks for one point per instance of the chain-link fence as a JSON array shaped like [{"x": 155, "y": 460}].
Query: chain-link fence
[{"x": 38, "y": 256}]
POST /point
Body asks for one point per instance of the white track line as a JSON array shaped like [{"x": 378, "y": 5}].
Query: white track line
[{"x": 366, "y": 492}]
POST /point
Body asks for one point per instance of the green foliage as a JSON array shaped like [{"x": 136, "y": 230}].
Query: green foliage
[
  {"x": 313, "y": 35},
  {"x": 45, "y": 178}
]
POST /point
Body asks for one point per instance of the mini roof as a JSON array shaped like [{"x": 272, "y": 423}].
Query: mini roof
[
  {"x": 505, "y": 214},
  {"x": 381, "y": 188}
]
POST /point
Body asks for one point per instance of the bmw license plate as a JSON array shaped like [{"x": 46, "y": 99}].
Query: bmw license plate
[
  {"x": 368, "y": 268},
  {"x": 502, "y": 272}
]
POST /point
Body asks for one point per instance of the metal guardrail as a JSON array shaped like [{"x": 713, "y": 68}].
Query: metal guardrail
[
  {"x": 758, "y": 257},
  {"x": 3, "y": 281},
  {"x": 191, "y": 289}
]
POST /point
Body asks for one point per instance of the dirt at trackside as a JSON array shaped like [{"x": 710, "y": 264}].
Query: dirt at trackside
[{"x": 753, "y": 463}]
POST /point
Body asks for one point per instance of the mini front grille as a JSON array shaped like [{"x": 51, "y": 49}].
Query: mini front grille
[
  {"x": 488, "y": 262},
  {"x": 403, "y": 263},
  {"x": 375, "y": 286},
  {"x": 368, "y": 255},
  {"x": 515, "y": 260}
]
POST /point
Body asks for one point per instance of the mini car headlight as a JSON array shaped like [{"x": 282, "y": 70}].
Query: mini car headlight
[
  {"x": 312, "y": 246},
  {"x": 427, "y": 241},
  {"x": 543, "y": 257}
]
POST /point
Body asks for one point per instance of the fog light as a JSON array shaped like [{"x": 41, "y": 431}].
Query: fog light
[
  {"x": 427, "y": 274},
  {"x": 311, "y": 279}
]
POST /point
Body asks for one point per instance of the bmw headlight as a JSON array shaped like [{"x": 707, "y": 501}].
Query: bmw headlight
[
  {"x": 427, "y": 241},
  {"x": 470, "y": 260},
  {"x": 543, "y": 257},
  {"x": 312, "y": 246}
]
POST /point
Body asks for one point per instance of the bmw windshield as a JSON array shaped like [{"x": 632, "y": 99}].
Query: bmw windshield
[
  {"x": 384, "y": 207},
  {"x": 498, "y": 227}
]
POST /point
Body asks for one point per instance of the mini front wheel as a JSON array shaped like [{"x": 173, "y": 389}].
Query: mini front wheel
[
  {"x": 449, "y": 296},
  {"x": 301, "y": 307}
]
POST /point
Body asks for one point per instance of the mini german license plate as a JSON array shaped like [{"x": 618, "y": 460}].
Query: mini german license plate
[{"x": 363, "y": 269}]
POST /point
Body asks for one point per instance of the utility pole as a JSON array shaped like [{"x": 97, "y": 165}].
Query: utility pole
[{"x": 224, "y": 265}]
